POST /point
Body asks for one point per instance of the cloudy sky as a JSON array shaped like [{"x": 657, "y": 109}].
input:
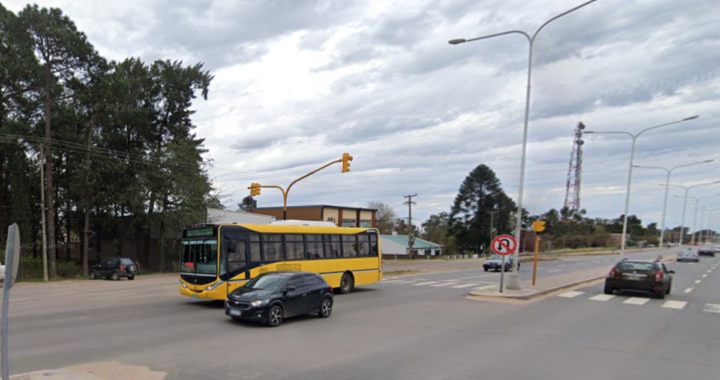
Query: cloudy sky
[{"x": 300, "y": 82}]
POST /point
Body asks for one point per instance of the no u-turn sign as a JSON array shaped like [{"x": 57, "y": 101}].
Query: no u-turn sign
[{"x": 504, "y": 245}]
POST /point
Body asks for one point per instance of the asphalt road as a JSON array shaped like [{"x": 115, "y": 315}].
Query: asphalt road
[{"x": 390, "y": 330}]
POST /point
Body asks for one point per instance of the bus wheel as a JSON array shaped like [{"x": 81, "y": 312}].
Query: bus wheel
[{"x": 347, "y": 283}]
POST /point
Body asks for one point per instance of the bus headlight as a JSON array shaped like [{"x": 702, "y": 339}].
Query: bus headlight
[
  {"x": 183, "y": 284},
  {"x": 214, "y": 286},
  {"x": 259, "y": 303}
]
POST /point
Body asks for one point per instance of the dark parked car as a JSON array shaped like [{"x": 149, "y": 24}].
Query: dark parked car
[
  {"x": 495, "y": 263},
  {"x": 644, "y": 276},
  {"x": 114, "y": 268},
  {"x": 706, "y": 250},
  {"x": 274, "y": 296}
]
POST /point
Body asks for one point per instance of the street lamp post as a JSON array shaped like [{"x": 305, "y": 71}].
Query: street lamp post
[
  {"x": 695, "y": 213},
  {"x": 687, "y": 190},
  {"x": 630, "y": 171},
  {"x": 514, "y": 281},
  {"x": 667, "y": 188}
]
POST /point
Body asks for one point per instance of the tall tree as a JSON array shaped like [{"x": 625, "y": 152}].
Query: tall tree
[
  {"x": 248, "y": 204},
  {"x": 480, "y": 202},
  {"x": 435, "y": 229},
  {"x": 64, "y": 53},
  {"x": 385, "y": 217}
]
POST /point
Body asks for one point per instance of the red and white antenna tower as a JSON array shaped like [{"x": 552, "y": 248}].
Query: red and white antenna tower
[{"x": 574, "y": 177}]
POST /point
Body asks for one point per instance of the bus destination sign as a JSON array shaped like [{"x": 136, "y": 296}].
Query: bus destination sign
[{"x": 199, "y": 232}]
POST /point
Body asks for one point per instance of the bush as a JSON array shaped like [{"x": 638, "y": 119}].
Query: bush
[
  {"x": 30, "y": 268},
  {"x": 68, "y": 269}
]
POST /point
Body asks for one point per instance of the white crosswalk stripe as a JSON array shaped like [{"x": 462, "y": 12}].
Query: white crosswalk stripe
[
  {"x": 674, "y": 304},
  {"x": 464, "y": 286},
  {"x": 571, "y": 294},
  {"x": 711, "y": 308},
  {"x": 426, "y": 283},
  {"x": 486, "y": 287},
  {"x": 602, "y": 297},
  {"x": 444, "y": 284},
  {"x": 636, "y": 301}
]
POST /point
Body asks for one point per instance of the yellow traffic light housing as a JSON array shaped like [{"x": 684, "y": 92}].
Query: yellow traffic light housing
[
  {"x": 538, "y": 226},
  {"x": 254, "y": 189},
  {"x": 346, "y": 158}
]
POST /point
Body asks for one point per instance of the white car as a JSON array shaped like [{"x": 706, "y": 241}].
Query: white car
[
  {"x": 688, "y": 255},
  {"x": 717, "y": 249}
]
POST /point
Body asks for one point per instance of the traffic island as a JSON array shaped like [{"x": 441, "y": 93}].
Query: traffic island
[
  {"x": 544, "y": 286},
  {"x": 96, "y": 371}
]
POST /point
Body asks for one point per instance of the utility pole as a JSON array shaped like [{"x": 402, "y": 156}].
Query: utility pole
[
  {"x": 42, "y": 209},
  {"x": 411, "y": 239}
]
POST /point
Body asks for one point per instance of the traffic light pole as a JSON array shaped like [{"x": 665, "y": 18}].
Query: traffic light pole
[
  {"x": 535, "y": 262},
  {"x": 346, "y": 168}
]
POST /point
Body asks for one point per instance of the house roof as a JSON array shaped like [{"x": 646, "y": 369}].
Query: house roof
[
  {"x": 403, "y": 240},
  {"x": 314, "y": 206}
]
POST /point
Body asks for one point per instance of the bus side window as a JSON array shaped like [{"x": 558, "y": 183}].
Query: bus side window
[
  {"x": 237, "y": 256},
  {"x": 373, "y": 245},
  {"x": 363, "y": 245},
  {"x": 314, "y": 246},
  {"x": 349, "y": 246},
  {"x": 332, "y": 246},
  {"x": 254, "y": 248},
  {"x": 272, "y": 247},
  {"x": 294, "y": 249}
]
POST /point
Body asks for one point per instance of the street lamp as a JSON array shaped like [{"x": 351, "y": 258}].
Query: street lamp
[
  {"x": 687, "y": 189},
  {"x": 514, "y": 281},
  {"x": 630, "y": 171},
  {"x": 667, "y": 188},
  {"x": 695, "y": 223}
]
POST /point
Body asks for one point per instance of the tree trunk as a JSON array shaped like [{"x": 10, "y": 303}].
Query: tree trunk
[
  {"x": 146, "y": 248},
  {"x": 49, "y": 190},
  {"x": 86, "y": 228}
]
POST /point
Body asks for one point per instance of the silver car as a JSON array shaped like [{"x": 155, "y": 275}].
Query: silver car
[{"x": 688, "y": 255}]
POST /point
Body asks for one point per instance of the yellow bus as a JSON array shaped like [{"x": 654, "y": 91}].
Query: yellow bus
[{"x": 344, "y": 256}]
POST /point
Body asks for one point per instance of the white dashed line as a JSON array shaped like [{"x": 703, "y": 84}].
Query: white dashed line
[
  {"x": 444, "y": 284},
  {"x": 704, "y": 276},
  {"x": 636, "y": 301},
  {"x": 710, "y": 271},
  {"x": 602, "y": 297},
  {"x": 464, "y": 286},
  {"x": 688, "y": 290},
  {"x": 674, "y": 304},
  {"x": 712, "y": 308},
  {"x": 389, "y": 281},
  {"x": 426, "y": 283},
  {"x": 571, "y": 294},
  {"x": 698, "y": 281},
  {"x": 403, "y": 282}
]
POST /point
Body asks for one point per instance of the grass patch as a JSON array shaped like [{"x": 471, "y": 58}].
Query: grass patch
[
  {"x": 530, "y": 259},
  {"x": 399, "y": 272}
]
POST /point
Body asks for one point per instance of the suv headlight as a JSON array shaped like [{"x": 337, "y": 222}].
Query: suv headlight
[
  {"x": 214, "y": 286},
  {"x": 259, "y": 303}
]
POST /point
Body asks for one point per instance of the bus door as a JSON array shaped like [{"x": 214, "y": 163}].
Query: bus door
[{"x": 236, "y": 260}]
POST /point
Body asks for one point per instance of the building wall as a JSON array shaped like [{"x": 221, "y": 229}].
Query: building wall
[
  {"x": 389, "y": 247},
  {"x": 358, "y": 218},
  {"x": 309, "y": 213},
  {"x": 331, "y": 212},
  {"x": 367, "y": 217}
]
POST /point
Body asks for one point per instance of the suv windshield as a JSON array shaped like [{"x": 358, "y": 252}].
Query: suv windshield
[
  {"x": 270, "y": 282},
  {"x": 199, "y": 256}
]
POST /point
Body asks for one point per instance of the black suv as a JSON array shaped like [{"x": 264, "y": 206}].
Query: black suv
[
  {"x": 274, "y": 296},
  {"x": 114, "y": 268}
]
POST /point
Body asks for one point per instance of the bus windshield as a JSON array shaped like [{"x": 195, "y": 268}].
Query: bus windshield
[{"x": 199, "y": 256}]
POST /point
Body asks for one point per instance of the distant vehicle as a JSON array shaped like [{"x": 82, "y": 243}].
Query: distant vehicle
[
  {"x": 274, "y": 296},
  {"x": 706, "y": 250},
  {"x": 717, "y": 249},
  {"x": 650, "y": 246},
  {"x": 495, "y": 263},
  {"x": 642, "y": 276},
  {"x": 688, "y": 255},
  {"x": 114, "y": 268}
]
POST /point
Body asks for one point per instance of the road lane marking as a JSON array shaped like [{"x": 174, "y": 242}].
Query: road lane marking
[
  {"x": 674, "y": 304},
  {"x": 570, "y": 294},
  {"x": 688, "y": 290},
  {"x": 710, "y": 271},
  {"x": 704, "y": 276},
  {"x": 712, "y": 308},
  {"x": 404, "y": 282},
  {"x": 464, "y": 286},
  {"x": 636, "y": 301},
  {"x": 602, "y": 297},
  {"x": 426, "y": 283},
  {"x": 698, "y": 281},
  {"x": 444, "y": 284},
  {"x": 389, "y": 282}
]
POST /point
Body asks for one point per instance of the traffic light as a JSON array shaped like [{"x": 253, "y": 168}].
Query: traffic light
[
  {"x": 254, "y": 189},
  {"x": 538, "y": 226},
  {"x": 346, "y": 162}
]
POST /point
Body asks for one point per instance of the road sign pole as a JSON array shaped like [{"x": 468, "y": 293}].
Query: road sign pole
[
  {"x": 502, "y": 274},
  {"x": 12, "y": 255},
  {"x": 535, "y": 261}
]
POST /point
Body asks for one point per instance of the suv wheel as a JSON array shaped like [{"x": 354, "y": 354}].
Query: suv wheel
[
  {"x": 92, "y": 275},
  {"x": 608, "y": 289},
  {"x": 115, "y": 276}
]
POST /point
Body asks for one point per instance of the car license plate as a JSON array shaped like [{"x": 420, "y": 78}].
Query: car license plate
[{"x": 235, "y": 313}]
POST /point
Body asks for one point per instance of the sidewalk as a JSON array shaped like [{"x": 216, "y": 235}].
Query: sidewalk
[
  {"x": 545, "y": 285},
  {"x": 96, "y": 371}
]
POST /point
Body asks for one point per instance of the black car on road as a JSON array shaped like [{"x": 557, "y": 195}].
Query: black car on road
[
  {"x": 274, "y": 296},
  {"x": 114, "y": 268},
  {"x": 643, "y": 276}
]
